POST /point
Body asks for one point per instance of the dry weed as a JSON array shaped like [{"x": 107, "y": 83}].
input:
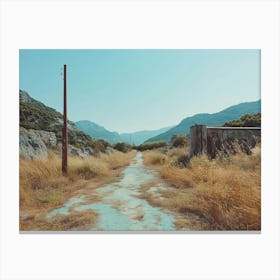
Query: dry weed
[
  {"x": 155, "y": 157},
  {"x": 76, "y": 220}
]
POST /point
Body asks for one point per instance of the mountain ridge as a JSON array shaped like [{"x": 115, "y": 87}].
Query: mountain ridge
[
  {"x": 99, "y": 132},
  {"x": 216, "y": 119}
]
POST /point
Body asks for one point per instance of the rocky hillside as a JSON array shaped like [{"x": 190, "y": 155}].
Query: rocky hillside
[
  {"x": 36, "y": 115},
  {"x": 34, "y": 143},
  {"x": 216, "y": 119},
  {"x": 41, "y": 128}
]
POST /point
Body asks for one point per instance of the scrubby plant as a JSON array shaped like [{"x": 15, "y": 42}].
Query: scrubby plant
[
  {"x": 152, "y": 145},
  {"x": 180, "y": 141},
  {"x": 249, "y": 120},
  {"x": 122, "y": 147},
  {"x": 98, "y": 145},
  {"x": 182, "y": 160}
]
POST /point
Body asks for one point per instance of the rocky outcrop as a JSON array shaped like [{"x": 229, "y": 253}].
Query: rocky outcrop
[
  {"x": 75, "y": 151},
  {"x": 83, "y": 152},
  {"x": 47, "y": 137},
  {"x": 39, "y": 117},
  {"x": 24, "y": 96},
  {"x": 87, "y": 150},
  {"x": 31, "y": 145},
  {"x": 34, "y": 143}
]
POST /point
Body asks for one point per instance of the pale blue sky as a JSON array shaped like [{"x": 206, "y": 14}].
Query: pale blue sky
[{"x": 131, "y": 90}]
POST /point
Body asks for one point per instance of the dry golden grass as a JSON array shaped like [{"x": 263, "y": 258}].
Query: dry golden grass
[
  {"x": 76, "y": 220},
  {"x": 177, "y": 152},
  {"x": 155, "y": 157},
  {"x": 42, "y": 186},
  {"x": 88, "y": 168},
  {"x": 117, "y": 159},
  {"x": 224, "y": 193}
]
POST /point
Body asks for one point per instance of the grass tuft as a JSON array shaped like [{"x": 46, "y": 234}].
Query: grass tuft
[
  {"x": 155, "y": 158},
  {"x": 77, "y": 220}
]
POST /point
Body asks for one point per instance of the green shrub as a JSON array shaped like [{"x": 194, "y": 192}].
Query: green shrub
[
  {"x": 253, "y": 120},
  {"x": 122, "y": 147},
  {"x": 180, "y": 141},
  {"x": 152, "y": 145}
]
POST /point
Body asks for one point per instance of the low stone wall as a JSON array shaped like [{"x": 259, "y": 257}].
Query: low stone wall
[{"x": 222, "y": 140}]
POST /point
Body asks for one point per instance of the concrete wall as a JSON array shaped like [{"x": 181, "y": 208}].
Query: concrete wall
[
  {"x": 215, "y": 140},
  {"x": 198, "y": 135}
]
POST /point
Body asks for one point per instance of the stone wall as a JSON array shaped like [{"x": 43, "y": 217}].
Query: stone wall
[{"x": 223, "y": 140}]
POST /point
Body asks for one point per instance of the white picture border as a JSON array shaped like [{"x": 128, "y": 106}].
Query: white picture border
[{"x": 139, "y": 24}]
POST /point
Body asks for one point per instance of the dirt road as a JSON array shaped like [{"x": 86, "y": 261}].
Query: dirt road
[{"x": 120, "y": 207}]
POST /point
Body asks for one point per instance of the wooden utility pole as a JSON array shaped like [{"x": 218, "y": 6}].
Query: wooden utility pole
[{"x": 64, "y": 130}]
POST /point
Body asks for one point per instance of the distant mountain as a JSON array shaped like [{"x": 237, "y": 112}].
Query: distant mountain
[
  {"x": 140, "y": 137},
  {"x": 99, "y": 132},
  {"x": 216, "y": 119},
  {"x": 36, "y": 115}
]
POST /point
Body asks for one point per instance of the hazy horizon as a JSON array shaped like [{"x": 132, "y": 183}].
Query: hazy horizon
[
  {"x": 132, "y": 90},
  {"x": 168, "y": 126}
]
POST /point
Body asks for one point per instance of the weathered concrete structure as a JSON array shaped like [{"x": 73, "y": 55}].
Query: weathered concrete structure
[
  {"x": 222, "y": 140},
  {"x": 198, "y": 134}
]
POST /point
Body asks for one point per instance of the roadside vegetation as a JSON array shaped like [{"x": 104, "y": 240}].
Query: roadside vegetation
[
  {"x": 123, "y": 147},
  {"x": 152, "y": 145},
  {"x": 249, "y": 120},
  {"x": 176, "y": 141},
  {"x": 42, "y": 187},
  {"x": 219, "y": 194}
]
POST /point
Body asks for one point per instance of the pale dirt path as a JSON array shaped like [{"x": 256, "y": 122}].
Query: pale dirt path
[{"x": 121, "y": 208}]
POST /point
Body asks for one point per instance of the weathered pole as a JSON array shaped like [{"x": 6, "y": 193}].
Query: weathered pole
[{"x": 64, "y": 130}]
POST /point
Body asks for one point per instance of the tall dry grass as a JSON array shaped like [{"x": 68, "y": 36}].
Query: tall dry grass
[
  {"x": 117, "y": 159},
  {"x": 224, "y": 193},
  {"x": 42, "y": 186},
  {"x": 155, "y": 157},
  {"x": 76, "y": 220}
]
